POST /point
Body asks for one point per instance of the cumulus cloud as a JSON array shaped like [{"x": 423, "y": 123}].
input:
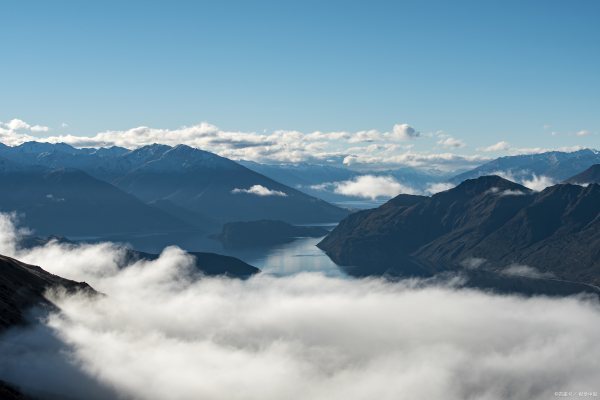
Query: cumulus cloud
[
  {"x": 39, "y": 128},
  {"x": 404, "y": 132},
  {"x": 160, "y": 332},
  {"x": 18, "y": 124},
  {"x": 259, "y": 190},
  {"x": 500, "y": 146},
  {"x": 583, "y": 132},
  {"x": 17, "y": 131},
  {"x": 372, "y": 187},
  {"x": 451, "y": 142}
]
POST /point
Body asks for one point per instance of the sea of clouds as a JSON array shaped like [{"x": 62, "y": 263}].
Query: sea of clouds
[{"x": 161, "y": 331}]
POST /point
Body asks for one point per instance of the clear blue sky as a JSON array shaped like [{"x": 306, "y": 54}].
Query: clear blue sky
[{"x": 482, "y": 71}]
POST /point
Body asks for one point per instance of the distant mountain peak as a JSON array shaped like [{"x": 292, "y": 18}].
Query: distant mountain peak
[
  {"x": 110, "y": 151},
  {"x": 485, "y": 184},
  {"x": 154, "y": 147},
  {"x": 38, "y": 147},
  {"x": 556, "y": 165},
  {"x": 183, "y": 150},
  {"x": 590, "y": 175}
]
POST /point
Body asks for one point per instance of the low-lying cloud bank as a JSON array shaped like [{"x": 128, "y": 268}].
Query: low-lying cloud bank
[
  {"x": 371, "y": 187},
  {"x": 527, "y": 179},
  {"x": 366, "y": 148},
  {"x": 375, "y": 187},
  {"x": 160, "y": 332}
]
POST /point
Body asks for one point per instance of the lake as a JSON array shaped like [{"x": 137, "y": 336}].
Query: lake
[{"x": 300, "y": 255}]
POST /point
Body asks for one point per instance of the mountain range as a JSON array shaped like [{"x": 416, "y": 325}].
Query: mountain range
[
  {"x": 321, "y": 180},
  {"x": 154, "y": 188},
  {"x": 158, "y": 189},
  {"x": 71, "y": 202},
  {"x": 556, "y": 165},
  {"x": 485, "y": 224}
]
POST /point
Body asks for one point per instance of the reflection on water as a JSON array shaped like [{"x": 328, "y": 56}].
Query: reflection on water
[{"x": 300, "y": 255}]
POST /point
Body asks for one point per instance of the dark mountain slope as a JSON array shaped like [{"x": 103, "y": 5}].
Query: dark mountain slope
[
  {"x": 488, "y": 219},
  {"x": 209, "y": 264},
  {"x": 557, "y": 165},
  {"x": 9, "y": 392},
  {"x": 558, "y": 234},
  {"x": 196, "y": 180},
  {"x": 22, "y": 286},
  {"x": 199, "y": 221},
  {"x": 206, "y": 183},
  {"x": 70, "y": 202},
  {"x": 388, "y": 235},
  {"x": 590, "y": 175}
]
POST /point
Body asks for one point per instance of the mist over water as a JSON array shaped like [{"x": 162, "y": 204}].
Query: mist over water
[{"x": 162, "y": 331}]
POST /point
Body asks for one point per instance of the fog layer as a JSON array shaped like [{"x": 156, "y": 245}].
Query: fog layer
[{"x": 162, "y": 332}]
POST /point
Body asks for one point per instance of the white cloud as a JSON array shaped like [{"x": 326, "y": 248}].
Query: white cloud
[
  {"x": 526, "y": 271},
  {"x": 500, "y": 146},
  {"x": 159, "y": 333},
  {"x": 18, "y": 124},
  {"x": 509, "y": 192},
  {"x": 277, "y": 146},
  {"x": 259, "y": 190},
  {"x": 583, "y": 132},
  {"x": 442, "y": 161},
  {"x": 472, "y": 262},
  {"x": 17, "y": 131},
  {"x": 365, "y": 136},
  {"x": 404, "y": 132},
  {"x": 538, "y": 183},
  {"x": 434, "y": 188},
  {"x": 39, "y": 128},
  {"x": 525, "y": 178},
  {"x": 451, "y": 142},
  {"x": 372, "y": 187},
  {"x": 367, "y": 149}
]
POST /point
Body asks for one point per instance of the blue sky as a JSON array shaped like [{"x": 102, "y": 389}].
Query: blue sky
[{"x": 524, "y": 72}]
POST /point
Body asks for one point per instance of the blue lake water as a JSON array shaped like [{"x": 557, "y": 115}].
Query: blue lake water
[{"x": 300, "y": 255}]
